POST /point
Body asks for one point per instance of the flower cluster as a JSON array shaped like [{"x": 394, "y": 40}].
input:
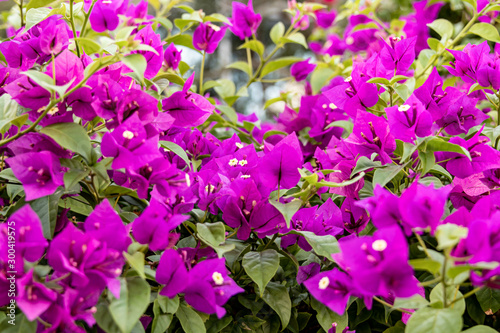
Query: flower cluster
[{"x": 135, "y": 198}]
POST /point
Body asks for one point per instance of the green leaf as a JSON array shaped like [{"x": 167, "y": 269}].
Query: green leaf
[
  {"x": 345, "y": 183},
  {"x": 136, "y": 261},
  {"x": 71, "y": 136},
  {"x": 297, "y": 38},
  {"x": 174, "y": 147},
  {"x": 323, "y": 245},
  {"x": 191, "y": 322},
  {"x": 253, "y": 45},
  {"x": 133, "y": 302},
  {"x": 288, "y": 209},
  {"x": 216, "y": 325},
  {"x": 384, "y": 175},
  {"x": 20, "y": 325},
  {"x": 229, "y": 112},
  {"x": 261, "y": 267},
  {"x": 431, "y": 320},
  {"x": 46, "y": 209},
  {"x": 380, "y": 80},
  {"x": 137, "y": 63},
  {"x": 414, "y": 302},
  {"x": 489, "y": 299},
  {"x": 435, "y": 144},
  {"x": 426, "y": 264},
  {"x": 226, "y": 88},
  {"x": 448, "y": 235},
  {"x": 273, "y": 65},
  {"x": 274, "y": 132},
  {"x": 214, "y": 235},
  {"x": 89, "y": 46},
  {"x": 480, "y": 329},
  {"x": 327, "y": 317},
  {"x": 452, "y": 293},
  {"x": 442, "y": 27},
  {"x": 8, "y": 113},
  {"x": 277, "y": 297},
  {"x": 38, "y": 3},
  {"x": 363, "y": 164},
  {"x": 35, "y": 16},
  {"x": 242, "y": 66},
  {"x": 428, "y": 161},
  {"x": 277, "y": 31},
  {"x": 486, "y": 31}
]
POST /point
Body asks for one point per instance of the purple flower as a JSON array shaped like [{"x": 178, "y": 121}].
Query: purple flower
[
  {"x": 104, "y": 16},
  {"x": 28, "y": 238},
  {"x": 105, "y": 225},
  {"x": 332, "y": 288},
  {"x": 416, "y": 23},
  {"x": 147, "y": 36},
  {"x": 371, "y": 135},
  {"x": 308, "y": 271},
  {"x": 40, "y": 173},
  {"x": 207, "y": 36},
  {"x": 378, "y": 264},
  {"x": 354, "y": 217},
  {"x": 325, "y": 220},
  {"x": 154, "y": 225},
  {"x": 354, "y": 94},
  {"x": 301, "y": 69},
  {"x": 461, "y": 113},
  {"x": 245, "y": 21},
  {"x": 483, "y": 157},
  {"x": 469, "y": 61},
  {"x": 343, "y": 173},
  {"x": 33, "y": 298},
  {"x": 54, "y": 38},
  {"x": 399, "y": 55},
  {"x": 383, "y": 207},
  {"x": 187, "y": 108},
  {"x": 206, "y": 287},
  {"x": 279, "y": 166},
  {"x": 409, "y": 120},
  {"x": 172, "y": 57},
  {"x": 324, "y": 18},
  {"x": 131, "y": 144},
  {"x": 423, "y": 206}
]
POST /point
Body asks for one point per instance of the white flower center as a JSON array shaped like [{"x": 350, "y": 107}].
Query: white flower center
[
  {"x": 128, "y": 135},
  {"x": 233, "y": 162},
  {"x": 243, "y": 162},
  {"x": 404, "y": 108},
  {"x": 332, "y": 106},
  {"x": 323, "y": 283},
  {"x": 348, "y": 79},
  {"x": 218, "y": 278},
  {"x": 245, "y": 176},
  {"x": 349, "y": 40},
  {"x": 239, "y": 145},
  {"x": 379, "y": 245}
]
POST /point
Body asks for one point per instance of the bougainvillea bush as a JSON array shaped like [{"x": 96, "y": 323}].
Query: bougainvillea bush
[{"x": 135, "y": 198}]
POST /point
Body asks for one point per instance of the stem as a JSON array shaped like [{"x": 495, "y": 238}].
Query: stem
[
  {"x": 21, "y": 12},
  {"x": 453, "y": 42},
  {"x": 249, "y": 58},
  {"x": 443, "y": 280},
  {"x": 381, "y": 301},
  {"x": 422, "y": 244},
  {"x": 273, "y": 52},
  {"x": 270, "y": 242},
  {"x": 86, "y": 19},
  {"x": 430, "y": 282},
  {"x": 202, "y": 69},
  {"x": 72, "y": 21},
  {"x": 470, "y": 293}
]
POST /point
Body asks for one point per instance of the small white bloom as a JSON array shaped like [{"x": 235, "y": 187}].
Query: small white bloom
[
  {"x": 243, "y": 162},
  {"x": 324, "y": 283},
  {"x": 218, "y": 278},
  {"x": 233, "y": 162},
  {"x": 379, "y": 245},
  {"x": 404, "y": 108},
  {"x": 128, "y": 135}
]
